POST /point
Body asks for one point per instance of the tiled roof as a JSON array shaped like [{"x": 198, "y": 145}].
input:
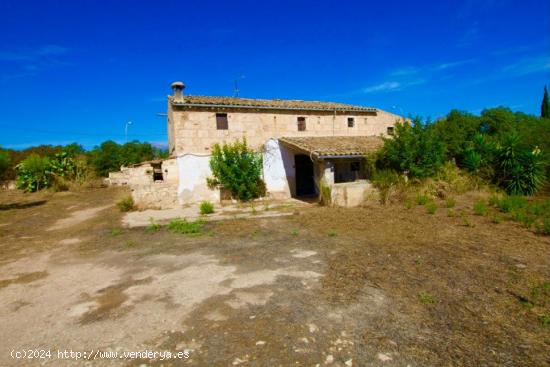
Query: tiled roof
[
  {"x": 234, "y": 102},
  {"x": 328, "y": 146}
]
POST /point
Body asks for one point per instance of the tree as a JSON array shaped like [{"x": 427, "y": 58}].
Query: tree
[
  {"x": 416, "y": 149},
  {"x": 545, "y": 106},
  {"x": 238, "y": 169}
]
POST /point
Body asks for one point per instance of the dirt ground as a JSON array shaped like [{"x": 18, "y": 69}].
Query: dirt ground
[{"x": 372, "y": 286}]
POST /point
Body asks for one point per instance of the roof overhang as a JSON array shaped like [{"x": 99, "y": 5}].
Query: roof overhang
[{"x": 333, "y": 147}]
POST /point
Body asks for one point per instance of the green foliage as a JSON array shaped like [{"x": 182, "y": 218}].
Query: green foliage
[
  {"x": 431, "y": 208},
  {"x": 238, "y": 169},
  {"x": 325, "y": 194},
  {"x": 182, "y": 226},
  {"x": 455, "y": 130},
  {"x": 479, "y": 154},
  {"x": 384, "y": 180},
  {"x": 415, "y": 149},
  {"x": 206, "y": 207},
  {"x": 518, "y": 170},
  {"x": 110, "y": 156},
  {"x": 450, "y": 203},
  {"x": 332, "y": 233},
  {"x": 545, "y": 105},
  {"x": 5, "y": 161},
  {"x": 480, "y": 208},
  {"x": 126, "y": 204},
  {"x": 509, "y": 204},
  {"x": 33, "y": 173}
]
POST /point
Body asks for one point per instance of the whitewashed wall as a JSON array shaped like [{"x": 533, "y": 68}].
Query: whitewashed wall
[
  {"x": 279, "y": 171},
  {"x": 193, "y": 172}
]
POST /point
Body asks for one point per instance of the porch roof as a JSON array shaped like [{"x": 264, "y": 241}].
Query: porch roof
[{"x": 322, "y": 147}]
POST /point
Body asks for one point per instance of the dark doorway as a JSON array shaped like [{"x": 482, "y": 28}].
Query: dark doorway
[{"x": 305, "y": 185}]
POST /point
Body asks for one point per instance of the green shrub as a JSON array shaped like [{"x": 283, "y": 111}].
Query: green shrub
[
  {"x": 480, "y": 208},
  {"x": 384, "y": 180},
  {"x": 450, "y": 202},
  {"x": 518, "y": 169},
  {"x": 33, "y": 173},
  {"x": 184, "y": 227},
  {"x": 332, "y": 233},
  {"x": 415, "y": 149},
  {"x": 126, "y": 204},
  {"x": 451, "y": 213},
  {"x": 206, "y": 208},
  {"x": 431, "y": 208},
  {"x": 238, "y": 169},
  {"x": 422, "y": 199}
]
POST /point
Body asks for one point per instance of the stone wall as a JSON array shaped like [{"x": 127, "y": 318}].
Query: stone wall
[{"x": 195, "y": 132}]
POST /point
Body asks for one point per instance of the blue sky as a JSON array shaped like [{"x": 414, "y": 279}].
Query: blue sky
[{"x": 78, "y": 70}]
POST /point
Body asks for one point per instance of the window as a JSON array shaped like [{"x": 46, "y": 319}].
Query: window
[
  {"x": 157, "y": 172},
  {"x": 351, "y": 121},
  {"x": 221, "y": 121},
  {"x": 301, "y": 124},
  {"x": 390, "y": 130}
]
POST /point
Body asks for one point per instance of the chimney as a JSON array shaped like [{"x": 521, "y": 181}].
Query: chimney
[{"x": 178, "y": 88}]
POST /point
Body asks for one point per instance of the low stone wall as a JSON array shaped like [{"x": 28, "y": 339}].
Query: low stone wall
[{"x": 351, "y": 194}]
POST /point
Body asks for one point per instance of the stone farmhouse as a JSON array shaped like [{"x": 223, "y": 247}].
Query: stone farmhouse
[{"x": 303, "y": 143}]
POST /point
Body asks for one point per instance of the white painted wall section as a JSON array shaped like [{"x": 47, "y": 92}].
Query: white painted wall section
[
  {"x": 278, "y": 167},
  {"x": 193, "y": 172}
]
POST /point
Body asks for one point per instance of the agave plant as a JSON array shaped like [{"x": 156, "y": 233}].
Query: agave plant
[{"x": 520, "y": 171}]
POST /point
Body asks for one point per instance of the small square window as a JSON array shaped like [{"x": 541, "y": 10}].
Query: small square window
[
  {"x": 301, "y": 124},
  {"x": 351, "y": 122},
  {"x": 221, "y": 121},
  {"x": 390, "y": 130}
]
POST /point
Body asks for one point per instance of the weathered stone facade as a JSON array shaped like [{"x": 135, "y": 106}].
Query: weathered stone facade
[
  {"x": 195, "y": 123},
  {"x": 193, "y": 131}
]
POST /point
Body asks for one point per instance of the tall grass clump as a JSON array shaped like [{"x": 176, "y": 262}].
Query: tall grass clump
[
  {"x": 480, "y": 208},
  {"x": 126, "y": 204},
  {"x": 206, "y": 207},
  {"x": 385, "y": 181}
]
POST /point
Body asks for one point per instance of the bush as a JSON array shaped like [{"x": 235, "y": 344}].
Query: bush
[
  {"x": 385, "y": 180},
  {"x": 33, "y": 173},
  {"x": 206, "y": 207},
  {"x": 519, "y": 170},
  {"x": 238, "y": 169},
  {"x": 126, "y": 204},
  {"x": 480, "y": 208},
  {"x": 184, "y": 227},
  {"x": 510, "y": 204},
  {"x": 415, "y": 149}
]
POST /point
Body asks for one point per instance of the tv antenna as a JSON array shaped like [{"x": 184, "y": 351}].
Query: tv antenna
[{"x": 236, "y": 89}]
